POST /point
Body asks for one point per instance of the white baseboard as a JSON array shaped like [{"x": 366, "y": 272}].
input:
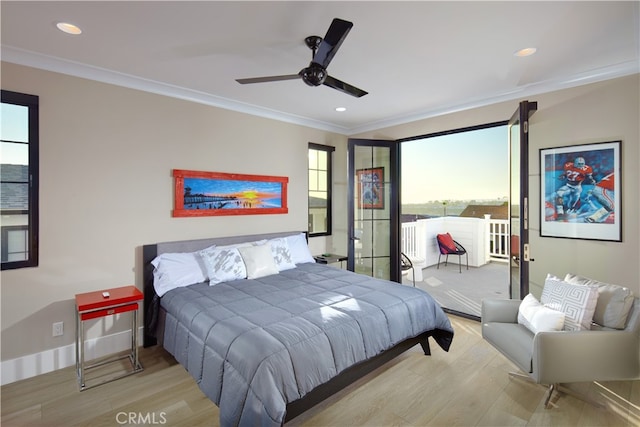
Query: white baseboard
[{"x": 62, "y": 357}]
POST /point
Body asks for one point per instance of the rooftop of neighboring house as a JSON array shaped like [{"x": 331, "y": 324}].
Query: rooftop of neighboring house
[
  {"x": 13, "y": 195},
  {"x": 479, "y": 211}
]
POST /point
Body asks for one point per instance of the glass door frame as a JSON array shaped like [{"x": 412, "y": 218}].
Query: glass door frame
[
  {"x": 393, "y": 202},
  {"x": 519, "y": 260}
]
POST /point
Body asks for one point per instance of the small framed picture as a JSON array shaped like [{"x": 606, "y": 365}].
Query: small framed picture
[
  {"x": 370, "y": 188},
  {"x": 580, "y": 192}
]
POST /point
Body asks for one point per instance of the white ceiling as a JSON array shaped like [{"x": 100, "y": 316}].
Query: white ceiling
[{"x": 416, "y": 59}]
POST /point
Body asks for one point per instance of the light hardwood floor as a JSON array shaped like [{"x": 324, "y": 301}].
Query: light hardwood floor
[{"x": 469, "y": 386}]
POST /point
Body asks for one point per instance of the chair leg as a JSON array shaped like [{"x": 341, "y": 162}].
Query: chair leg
[
  {"x": 560, "y": 389},
  {"x": 460, "y": 264},
  {"x": 438, "y": 267},
  {"x": 548, "y": 395},
  {"x": 413, "y": 270}
]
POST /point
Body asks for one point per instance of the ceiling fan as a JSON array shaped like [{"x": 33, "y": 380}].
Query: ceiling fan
[{"x": 323, "y": 52}]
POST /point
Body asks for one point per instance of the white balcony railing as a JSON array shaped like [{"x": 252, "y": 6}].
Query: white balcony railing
[{"x": 484, "y": 239}]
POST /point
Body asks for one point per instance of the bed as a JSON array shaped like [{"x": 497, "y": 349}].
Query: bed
[{"x": 266, "y": 346}]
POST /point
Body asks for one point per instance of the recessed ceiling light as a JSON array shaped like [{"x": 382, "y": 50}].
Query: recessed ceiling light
[
  {"x": 341, "y": 109},
  {"x": 527, "y": 51},
  {"x": 69, "y": 28}
]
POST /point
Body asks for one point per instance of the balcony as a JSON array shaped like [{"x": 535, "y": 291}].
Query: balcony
[{"x": 487, "y": 243}]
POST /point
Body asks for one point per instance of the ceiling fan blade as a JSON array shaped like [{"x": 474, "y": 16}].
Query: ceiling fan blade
[
  {"x": 268, "y": 79},
  {"x": 336, "y": 34},
  {"x": 344, "y": 87}
]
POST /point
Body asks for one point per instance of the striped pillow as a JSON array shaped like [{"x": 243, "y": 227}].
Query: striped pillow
[
  {"x": 614, "y": 302},
  {"x": 577, "y": 302}
]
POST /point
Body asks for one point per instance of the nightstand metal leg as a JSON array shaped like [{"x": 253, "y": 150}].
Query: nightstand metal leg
[
  {"x": 80, "y": 349},
  {"x": 134, "y": 342}
]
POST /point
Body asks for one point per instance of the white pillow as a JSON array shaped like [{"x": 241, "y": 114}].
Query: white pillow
[
  {"x": 258, "y": 261},
  {"x": 223, "y": 265},
  {"x": 243, "y": 244},
  {"x": 538, "y": 318},
  {"x": 281, "y": 254},
  {"x": 578, "y": 302},
  {"x": 300, "y": 253},
  {"x": 614, "y": 302},
  {"x": 175, "y": 270}
]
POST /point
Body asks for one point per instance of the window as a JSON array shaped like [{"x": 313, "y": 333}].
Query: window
[
  {"x": 19, "y": 180},
  {"x": 320, "y": 189}
]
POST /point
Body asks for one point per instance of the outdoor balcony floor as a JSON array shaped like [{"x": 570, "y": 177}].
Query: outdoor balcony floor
[{"x": 463, "y": 292}]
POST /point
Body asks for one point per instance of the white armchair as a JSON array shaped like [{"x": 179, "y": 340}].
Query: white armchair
[{"x": 556, "y": 357}]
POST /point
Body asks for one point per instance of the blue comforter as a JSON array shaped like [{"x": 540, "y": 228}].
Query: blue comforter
[{"x": 255, "y": 345}]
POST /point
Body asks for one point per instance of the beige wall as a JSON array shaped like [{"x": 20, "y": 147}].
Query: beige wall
[
  {"x": 599, "y": 112},
  {"x": 106, "y": 155}
]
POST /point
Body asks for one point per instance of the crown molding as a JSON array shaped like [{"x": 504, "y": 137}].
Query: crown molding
[
  {"x": 50, "y": 63},
  {"x": 77, "y": 69},
  {"x": 593, "y": 76}
]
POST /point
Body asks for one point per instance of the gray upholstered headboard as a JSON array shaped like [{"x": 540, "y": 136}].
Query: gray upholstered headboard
[
  {"x": 196, "y": 245},
  {"x": 149, "y": 252}
]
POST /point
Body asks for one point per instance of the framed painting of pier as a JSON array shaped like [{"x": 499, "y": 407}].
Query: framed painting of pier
[{"x": 215, "y": 193}]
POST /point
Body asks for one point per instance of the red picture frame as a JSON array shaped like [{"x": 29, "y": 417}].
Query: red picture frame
[{"x": 199, "y": 193}]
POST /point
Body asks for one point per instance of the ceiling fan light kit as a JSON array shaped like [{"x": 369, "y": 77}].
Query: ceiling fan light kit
[{"x": 323, "y": 51}]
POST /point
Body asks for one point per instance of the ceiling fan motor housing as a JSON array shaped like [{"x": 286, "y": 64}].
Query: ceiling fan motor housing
[{"x": 314, "y": 74}]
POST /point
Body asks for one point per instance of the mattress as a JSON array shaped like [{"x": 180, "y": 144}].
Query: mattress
[{"x": 255, "y": 345}]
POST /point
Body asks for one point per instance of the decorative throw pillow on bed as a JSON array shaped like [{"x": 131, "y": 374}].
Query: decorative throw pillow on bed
[
  {"x": 259, "y": 261},
  {"x": 281, "y": 254},
  {"x": 578, "y": 302},
  {"x": 243, "y": 244},
  {"x": 175, "y": 270},
  {"x": 223, "y": 265},
  {"x": 299, "y": 248},
  {"x": 538, "y": 318},
  {"x": 614, "y": 302}
]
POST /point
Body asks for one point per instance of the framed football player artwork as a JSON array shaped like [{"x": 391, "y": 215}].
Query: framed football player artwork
[{"x": 580, "y": 192}]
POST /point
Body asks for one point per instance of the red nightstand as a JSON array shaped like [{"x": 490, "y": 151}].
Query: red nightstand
[{"x": 92, "y": 305}]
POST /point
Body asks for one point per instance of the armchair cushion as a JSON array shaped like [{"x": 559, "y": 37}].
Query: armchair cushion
[
  {"x": 614, "y": 302},
  {"x": 538, "y": 318},
  {"x": 578, "y": 302}
]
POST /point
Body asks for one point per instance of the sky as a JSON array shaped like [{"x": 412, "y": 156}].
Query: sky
[
  {"x": 14, "y": 127},
  {"x": 461, "y": 166}
]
